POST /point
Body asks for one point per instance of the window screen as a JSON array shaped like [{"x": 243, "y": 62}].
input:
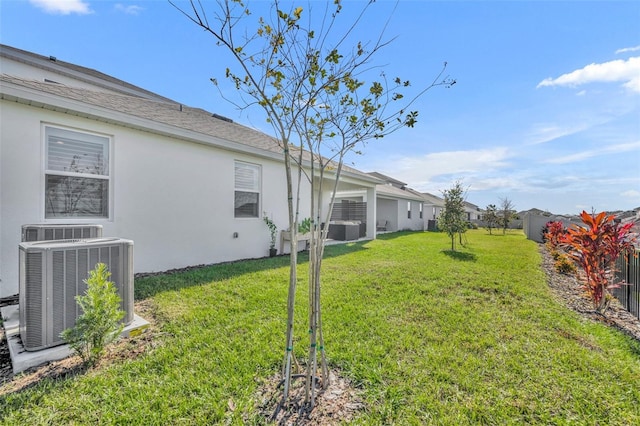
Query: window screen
[
  {"x": 77, "y": 176},
  {"x": 247, "y": 190}
]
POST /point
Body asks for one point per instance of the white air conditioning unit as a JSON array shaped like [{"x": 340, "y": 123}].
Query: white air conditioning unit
[
  {"x": 46, "y": 232},
  {"x": 52, "y": 273}
]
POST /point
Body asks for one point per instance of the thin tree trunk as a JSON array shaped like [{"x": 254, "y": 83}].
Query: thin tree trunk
[{"x": 293, "y": 262}]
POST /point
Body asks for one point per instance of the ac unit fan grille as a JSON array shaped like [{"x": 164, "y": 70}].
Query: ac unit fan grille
[{"x": 34, "y": 299}]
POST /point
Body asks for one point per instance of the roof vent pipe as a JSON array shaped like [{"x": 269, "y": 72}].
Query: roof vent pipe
[{"x": 223, "y": 118}]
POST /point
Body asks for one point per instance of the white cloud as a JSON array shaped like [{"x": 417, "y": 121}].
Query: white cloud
[
  {"x": 632, "y": 193},
  {"x": 426, "y": 170},
  {"x": 612, "y": 149},
  {"x": 548, "y": 132},
  {"x": 129, "y": 10},
  {"x": 627, "y": 72},
  {"x": 628, "y": 49},
  {"x": 63, "y": 7}
]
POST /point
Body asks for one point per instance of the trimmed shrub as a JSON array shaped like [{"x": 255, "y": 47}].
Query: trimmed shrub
[
  {"x": 99, "y": 324},
  {"x": 564, "y": 265}
]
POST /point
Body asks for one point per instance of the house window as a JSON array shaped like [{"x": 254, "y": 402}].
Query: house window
[
  {"x": 409, "y": 209},
  {"x": 247, "y": 189},
  {"x": 420, "y": 210},
  {"x": 77, "y": 178}
]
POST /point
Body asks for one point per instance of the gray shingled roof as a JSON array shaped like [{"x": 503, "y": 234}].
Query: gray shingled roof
[
  {"x": 167, "y": 113},
  {"x": 433, "y": 199},
  {"x": 388, "y": 179},
  {"x": 174, "y": 114},
  {"x": 392, "y": 191},
  {"x": 78, "y": 72}
]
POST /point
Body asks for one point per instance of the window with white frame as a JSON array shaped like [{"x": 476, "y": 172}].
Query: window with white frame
[
  {"x": 247, "y": 189},
  {"x": 77, "y": 178},
  {"x": 420, "y": 210},
  {"x": 408, "y": 209}
]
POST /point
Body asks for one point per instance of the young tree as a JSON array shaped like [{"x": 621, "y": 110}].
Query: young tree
[
  {"x": 451, "y": 220},
  {"x": 506, "y": 213},
  {"x": 314, "y": 94},
  {"x": 491, "y": 217}
]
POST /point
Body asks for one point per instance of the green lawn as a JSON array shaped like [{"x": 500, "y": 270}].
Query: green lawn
[{"x": 429, "y": 336}]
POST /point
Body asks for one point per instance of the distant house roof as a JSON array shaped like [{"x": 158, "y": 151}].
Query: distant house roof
[
  {"x": 432, "y": 200},
  {"x": 390, "y": 191},
  {"x": 471, "y": 206},
  {"x": 388, "y": 179}
]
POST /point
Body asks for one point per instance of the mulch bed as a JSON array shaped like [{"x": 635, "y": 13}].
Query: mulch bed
[
  {"x": 340, "y": 401},
  {"x": 568, "y": 292}
]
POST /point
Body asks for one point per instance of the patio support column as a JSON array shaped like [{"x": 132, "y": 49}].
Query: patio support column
[{"x": 371, "y": 212}]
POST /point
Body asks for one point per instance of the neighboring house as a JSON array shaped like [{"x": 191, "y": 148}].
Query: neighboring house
[
  {"x": 534, "y": 223},
  {"x": 472, "y": 212},
  {"x": 433, "y": 207},
  {"x": 188, "y": 187},
  {"x": 631, "y": 216},
  {"x": 398, "y": 207}
]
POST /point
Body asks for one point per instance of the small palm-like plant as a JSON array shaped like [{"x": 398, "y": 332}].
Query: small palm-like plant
[
  {"x": 99, "y": 324},
  {"x": 595, "y": 248}
]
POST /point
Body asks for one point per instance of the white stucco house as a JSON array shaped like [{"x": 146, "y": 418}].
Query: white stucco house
[
  {"x": 433, "y": 206},
  {"x": 399, "y": 207},
  {"x": 187, "y": 186},
  {"x": 473, "y": 212}
]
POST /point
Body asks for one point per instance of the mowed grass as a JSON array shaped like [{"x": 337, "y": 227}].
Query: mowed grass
[{"x": 428, "y": 336}]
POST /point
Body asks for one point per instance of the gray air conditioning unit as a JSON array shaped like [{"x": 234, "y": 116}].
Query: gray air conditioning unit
[
  {"x": 46, "y": 232},
  {"x": 52, "y": 273}
]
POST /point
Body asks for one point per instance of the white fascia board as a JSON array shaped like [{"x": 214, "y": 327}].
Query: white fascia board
[
  {"x": 353, "y": 193},
  {"x": 349, "y": 177},
  {"x": 396, "y": 195},
  {"x": 36, "y": 98}
]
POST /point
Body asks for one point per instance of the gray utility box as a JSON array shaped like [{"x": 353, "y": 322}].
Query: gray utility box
[{"x": 52, "y": 273}]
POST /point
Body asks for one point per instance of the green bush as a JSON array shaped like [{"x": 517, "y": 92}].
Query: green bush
[
  {"x": 304, "y": 226},
  {"x": 99, "y": 323},
  {"x": 564, "y": 265}
]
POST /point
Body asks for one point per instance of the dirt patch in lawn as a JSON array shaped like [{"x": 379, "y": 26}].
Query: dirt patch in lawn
[
  {"x": 125, "y": 349},
  {"x": 337, "y": 404}
]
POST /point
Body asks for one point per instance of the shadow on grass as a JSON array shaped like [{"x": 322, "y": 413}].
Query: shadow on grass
[
  {"x": 396, "y": 234},
  {"x": 148, "y": 285},
  {"x": 459, "y": 255}
]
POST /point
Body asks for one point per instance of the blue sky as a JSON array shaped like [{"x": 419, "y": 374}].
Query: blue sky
[{"x": 545, "y": 112}]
